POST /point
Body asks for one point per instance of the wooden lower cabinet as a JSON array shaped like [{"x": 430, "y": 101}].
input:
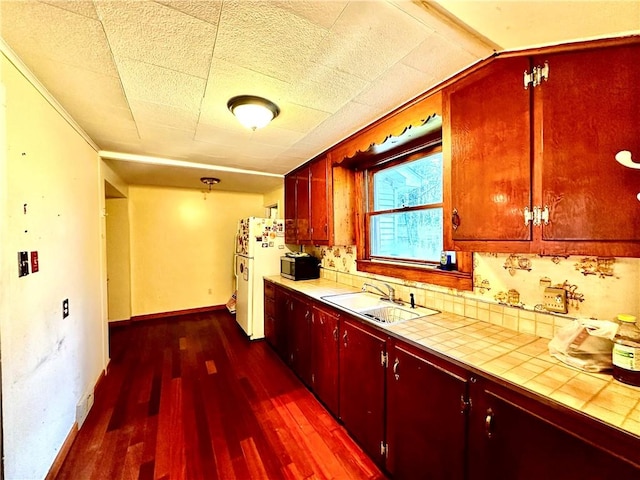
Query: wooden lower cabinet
[
  {"x": 324, "y": 357},
  {"x": 420, "y": 416},
  {"x": 300, "y": 339},
  {"x": 516, "y": 437},
  {"x": 427, "y": 404},
  {"x": 362, "y": 385}
]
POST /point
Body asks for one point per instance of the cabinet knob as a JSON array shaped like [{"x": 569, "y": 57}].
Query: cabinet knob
[
  {"x": 344, "y": 339},
  {"x": 396, "y": 374},
  {"x": 335, "y": 334},
  {"x": 455, "y": 219}
]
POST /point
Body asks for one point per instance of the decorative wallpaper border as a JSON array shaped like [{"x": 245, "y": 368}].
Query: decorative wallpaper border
[{"x": 509, "y": 289}]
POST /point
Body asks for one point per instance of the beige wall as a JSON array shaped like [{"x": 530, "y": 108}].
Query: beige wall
[
  {"x": 118, "y": 259},
  {"x": 182, "y": 246},
  {"x": 48, "y": 363},
  {"x": 276, "y": 197}
]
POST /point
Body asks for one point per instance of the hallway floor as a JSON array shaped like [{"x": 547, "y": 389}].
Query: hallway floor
[{"x": 190, "y": 397}]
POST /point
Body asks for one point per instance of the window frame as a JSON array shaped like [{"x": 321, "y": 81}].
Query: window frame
[
  {"x": 460, "y": 279},
  {"x": 369, "y": 211}
]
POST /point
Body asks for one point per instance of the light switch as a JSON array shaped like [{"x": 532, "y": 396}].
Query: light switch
[{"x": 23, "y": 264}]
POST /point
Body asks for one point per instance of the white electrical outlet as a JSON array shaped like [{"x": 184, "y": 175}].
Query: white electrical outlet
[{"x": 555, "y": 299}]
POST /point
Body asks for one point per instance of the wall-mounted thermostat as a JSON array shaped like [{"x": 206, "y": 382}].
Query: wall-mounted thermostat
[{"x": 555, "y": 299}]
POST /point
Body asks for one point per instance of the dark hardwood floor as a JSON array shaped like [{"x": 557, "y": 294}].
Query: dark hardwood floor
[{"x": 190, "y": 397}]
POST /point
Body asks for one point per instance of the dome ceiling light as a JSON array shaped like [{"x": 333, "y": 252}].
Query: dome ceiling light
[{"x": 253, "y": 112}]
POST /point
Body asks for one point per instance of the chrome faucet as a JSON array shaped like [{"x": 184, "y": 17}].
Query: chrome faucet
[{"x": 391, "y": 295}]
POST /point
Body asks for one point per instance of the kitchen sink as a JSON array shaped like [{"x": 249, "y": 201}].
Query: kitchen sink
[
  {"x": 390, "y": 314},
  {"x": 377, "y": 309}
]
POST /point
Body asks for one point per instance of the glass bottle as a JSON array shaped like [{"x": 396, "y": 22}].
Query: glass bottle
[{"x": 626, "y": 351}]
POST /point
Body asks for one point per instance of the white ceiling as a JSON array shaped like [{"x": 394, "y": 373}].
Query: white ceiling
[{"x": 153, "y": 79}]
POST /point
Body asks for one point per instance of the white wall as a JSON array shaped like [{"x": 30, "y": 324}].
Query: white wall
[
  {"x": 182, "y": 246},
  {"x": 48, "y": 363}
]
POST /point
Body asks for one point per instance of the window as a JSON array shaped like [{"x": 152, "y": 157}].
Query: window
[{"x": 404, "y": 218}]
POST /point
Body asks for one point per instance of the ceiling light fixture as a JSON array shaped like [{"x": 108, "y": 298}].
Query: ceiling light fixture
[
  {"x": 211, "y": 181},
  {"x": 253, "y": 112}
]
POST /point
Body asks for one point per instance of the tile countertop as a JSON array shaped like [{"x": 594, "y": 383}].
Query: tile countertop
[{"x": 519, "y": 358}]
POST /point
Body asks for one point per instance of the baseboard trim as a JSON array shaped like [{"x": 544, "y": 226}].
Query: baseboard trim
[
  {"x": 62, "y": 454},
  {"x": 189, "y": 311}
]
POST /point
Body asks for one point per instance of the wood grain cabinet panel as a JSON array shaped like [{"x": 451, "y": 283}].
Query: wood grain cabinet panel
[
  {"x": 513, "y": 437},
  {"x": 550, "y": 146},
  {"x": 489, "y": 121},
  {"x": 590, "y": 110},
  {"x": 426, "y": 417},
  {"x": 324, "y": 357},
  {"x": 362, "y": 386},
  {"x": 319, "y": 204}
]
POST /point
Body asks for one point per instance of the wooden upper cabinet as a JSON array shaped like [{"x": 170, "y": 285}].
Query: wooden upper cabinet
[
  {"x": 489, "y": 150},
  {"x": 290, "y": 209},
  {"x": 303, "y": 212},
  {"x": 319, "y": 202},
  {"x": 549, "y": 148},
  {"x": 589, "y": 111},
  {"x": 319, "y": 176}
]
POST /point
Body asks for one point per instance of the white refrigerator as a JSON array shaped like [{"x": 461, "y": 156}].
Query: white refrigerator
[{"x": 259, "y": 246}]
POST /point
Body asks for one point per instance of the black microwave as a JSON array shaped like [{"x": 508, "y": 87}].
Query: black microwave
[{"x": 300, "y": 267}]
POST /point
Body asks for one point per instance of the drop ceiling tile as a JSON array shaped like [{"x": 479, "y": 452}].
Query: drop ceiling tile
[
  {"x": 81, "y": 7},
  {"x": 399, "y": 84},
  {"x": 278, "y": 43},
  {"x": 208, "y": 10},
  {"x": 78, "y": 86},
  {"x": 369, "y": 37},
  {"x": 348, "y": 120},
  {"x": 155, "y": 34},
  {"x": 298, "y": 118},
  {"x": 214, "y": 134},
  {"x": 324, "y": 14},
  {"x": 164, "y": 115},
  {"x": 439, "y": 58},
  {"x": 325, "y": 89},
  {"x": 38, "y": 29},
  {"x": 153, "y": 84}
]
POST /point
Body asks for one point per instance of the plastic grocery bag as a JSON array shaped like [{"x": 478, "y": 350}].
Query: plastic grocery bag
[{"x": 585, "y": 344}]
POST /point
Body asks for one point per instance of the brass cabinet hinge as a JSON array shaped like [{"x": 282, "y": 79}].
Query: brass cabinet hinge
[
  {"x": 384, "y": 449},
  {"x": 536, "y": 76}
]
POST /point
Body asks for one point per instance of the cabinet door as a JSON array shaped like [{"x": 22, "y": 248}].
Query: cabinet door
[
  {"x": 590, "y": 110},
  {"x": 270, "y": 332},
  {"x": 324, "y": 362},
  {"x": 362, "y": 386},
  {"x": 319, "y": 173},
  {"x": 490, "y": 153},
  {"x": 300, "y": 339},
  {"x": 513, "y": 442},
  {"x": 281, "y": 323},
  {"x": 303, "y": 227},
  {"x": 290, "y": 209},
  {"x": 426, "y": 418}
]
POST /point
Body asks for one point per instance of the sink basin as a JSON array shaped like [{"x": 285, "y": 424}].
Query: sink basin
[
  {"x": 390, "y": 314},
  {"x": 376, "y": 309}
]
